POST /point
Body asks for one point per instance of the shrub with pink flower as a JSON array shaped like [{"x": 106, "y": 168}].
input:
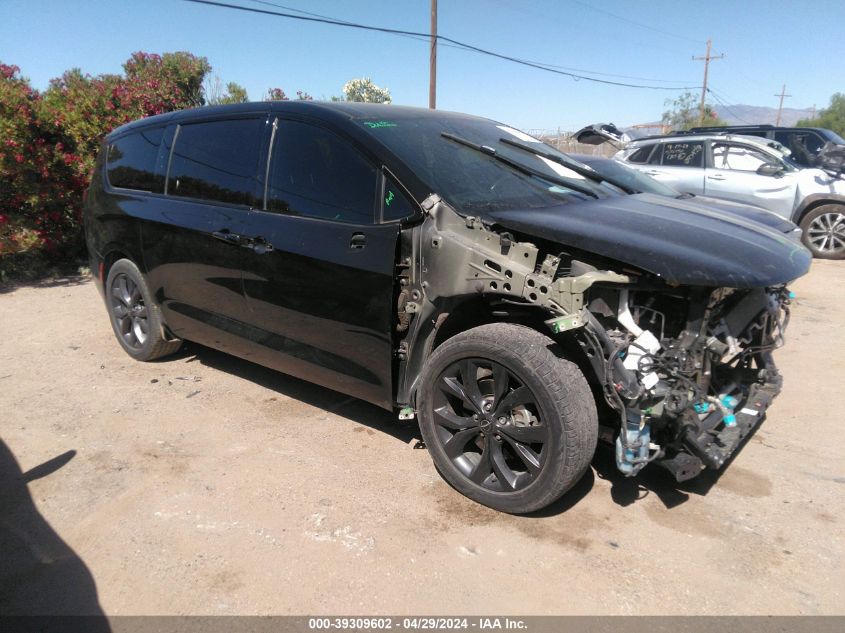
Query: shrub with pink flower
[{"x": 49, "y": 140}]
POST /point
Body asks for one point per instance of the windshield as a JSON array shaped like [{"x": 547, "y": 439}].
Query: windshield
[
  {"x": 628, "y": 176},
  {"x": 486, "y": 177},
  {"x": 832, "y": 136}
]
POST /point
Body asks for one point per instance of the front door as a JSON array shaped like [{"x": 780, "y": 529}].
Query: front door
[
  {"x": 319, "y": 277},
  {"x": 733, "y": 174}
]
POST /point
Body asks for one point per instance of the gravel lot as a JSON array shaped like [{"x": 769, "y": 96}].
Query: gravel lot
[{"x": 204, "y": 484}]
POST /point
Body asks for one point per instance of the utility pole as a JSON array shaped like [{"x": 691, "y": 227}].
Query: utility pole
[
  {"x": 780, "y": 105},
  {"x": 707, "y": 57},
  {"x": 432, "y": 71}
]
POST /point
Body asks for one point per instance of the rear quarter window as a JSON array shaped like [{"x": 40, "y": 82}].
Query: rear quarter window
[
  {"x": 131, "y": 161},
  {"x": 641, "y": 155}
]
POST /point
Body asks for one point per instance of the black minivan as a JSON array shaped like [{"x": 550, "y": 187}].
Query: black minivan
[{"x": 452, "y": 268}]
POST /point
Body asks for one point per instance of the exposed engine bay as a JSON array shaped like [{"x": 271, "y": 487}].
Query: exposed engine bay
[
  {"x": 696, "y": 372},
  {"x": 686, "y": 371}
]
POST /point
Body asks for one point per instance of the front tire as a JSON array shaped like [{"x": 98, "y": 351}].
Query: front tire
[
  {"x": 823, "y": 231},
  {"x": 135, "y": 317},
  {"x": 508, "y": 422}
]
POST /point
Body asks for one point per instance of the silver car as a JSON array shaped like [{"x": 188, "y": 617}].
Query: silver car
[{"x": 746, "y": 169}]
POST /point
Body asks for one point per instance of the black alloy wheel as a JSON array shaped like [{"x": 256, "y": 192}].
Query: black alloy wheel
[
  {"x": 135, "y": 318},
  {"x": 508, "y": 421},
  {"x": 489, "y": 424},
  {"x": 129, "y": 312}
]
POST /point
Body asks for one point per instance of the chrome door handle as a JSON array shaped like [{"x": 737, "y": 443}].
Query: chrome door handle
[
  {"x": 358, "y": 241},
  {"x": 716, "y": 177},
  {"x": 225, "y": 235},
  {"x": 260, "y": 245}
]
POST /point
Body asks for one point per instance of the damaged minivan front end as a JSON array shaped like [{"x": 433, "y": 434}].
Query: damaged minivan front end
[
  {"x": 542, "y": 305},
  {"x": 685, "y": 369}
]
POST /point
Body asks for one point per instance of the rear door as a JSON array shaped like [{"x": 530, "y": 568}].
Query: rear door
[
  {"x": 732, "y": 173},
  {"x": 319, "y": 278},
  {"x": 190, "y": 242},
  {"x": 679, "y": 164}
]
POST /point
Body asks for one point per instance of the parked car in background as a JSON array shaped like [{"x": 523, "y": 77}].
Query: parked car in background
[
  {"x": 745, "y": 169},
  {"x": 638, "y": 181},
  {"x": 454, "y": 269},
  {"x": 805, "y": 143}
]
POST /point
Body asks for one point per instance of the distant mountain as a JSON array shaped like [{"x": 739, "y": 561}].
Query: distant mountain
[{"x": 740, "y": 114}]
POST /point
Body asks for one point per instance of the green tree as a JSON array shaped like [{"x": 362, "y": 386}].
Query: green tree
[
  {"x": 685, "y": 111},
  {"x": 49, "y": 140},
  {"x": 217, "y": 94},
  {"x": 40, "y": 182},
  {"x": 181, "y": 72},
  {"x": 363, "y": 90},
  {"x": 832, "y": 117},
  {"x": 86, "y": 108}
]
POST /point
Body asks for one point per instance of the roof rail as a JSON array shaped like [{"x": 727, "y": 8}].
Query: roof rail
[{"x": 717, "y": 128}]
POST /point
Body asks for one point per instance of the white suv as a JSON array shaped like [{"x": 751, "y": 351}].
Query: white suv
[{"x": 746, "y": 169}]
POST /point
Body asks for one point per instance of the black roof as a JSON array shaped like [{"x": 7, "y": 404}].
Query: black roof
[{"x": 338, "y": 111}]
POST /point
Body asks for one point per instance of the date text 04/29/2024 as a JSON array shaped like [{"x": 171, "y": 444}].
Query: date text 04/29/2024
[{"x": 416, "y": 623}]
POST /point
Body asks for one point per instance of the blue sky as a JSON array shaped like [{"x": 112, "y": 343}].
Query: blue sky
[{"x": 766, "y": 43}]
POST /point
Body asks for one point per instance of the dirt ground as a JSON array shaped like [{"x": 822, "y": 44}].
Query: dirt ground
[{"x": 204, "y": 484}]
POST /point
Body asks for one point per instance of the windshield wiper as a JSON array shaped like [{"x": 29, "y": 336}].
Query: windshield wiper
[
  {"x": 583, "y": 170},
  {"x": 525, "y": 169}
]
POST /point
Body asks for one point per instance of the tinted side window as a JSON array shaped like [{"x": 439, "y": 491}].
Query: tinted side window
[
  {"x": 131, "y": 161},
  {"x": 641, "y": 155},
  {"x": 395, "y": 204},
  {"x": 810, "y": 141},
  {"x": 688, "y": 154},
  {"x": 316, "y": 174},
  {"x": 216, "y": 160}
]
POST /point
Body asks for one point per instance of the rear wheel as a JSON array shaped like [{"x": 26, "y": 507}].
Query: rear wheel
[
  {"x": 824, "y": 231},
  {"x": 135, "y": 318},
  {"x": 508, "y": 422}
]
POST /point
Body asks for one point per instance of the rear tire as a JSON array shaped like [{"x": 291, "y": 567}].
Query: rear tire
[
  {"x": 135, "y": 318},
  {"x": 508, "y": 422},
  {"x": 823, "y": 231}
]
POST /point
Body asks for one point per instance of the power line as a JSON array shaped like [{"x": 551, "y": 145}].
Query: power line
[
  {"x": 518, "y": 6},
  {"x": 726, "y": 107},
  {"x": 391, "y": 31},
  {"x": 755, "y": 80},
  {"x": 639, "y": 24}
]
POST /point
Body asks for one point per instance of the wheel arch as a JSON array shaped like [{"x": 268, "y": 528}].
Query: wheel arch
[
  {"x": 813, "y": 202},
  {"x": 115, "y": 252},
  {"x": 474, "y": 311}
]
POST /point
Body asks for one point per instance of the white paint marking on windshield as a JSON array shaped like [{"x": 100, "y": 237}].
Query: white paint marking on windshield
[
  {"x": 560, "y": 170},
  {"x": 522, "y": 136}
]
